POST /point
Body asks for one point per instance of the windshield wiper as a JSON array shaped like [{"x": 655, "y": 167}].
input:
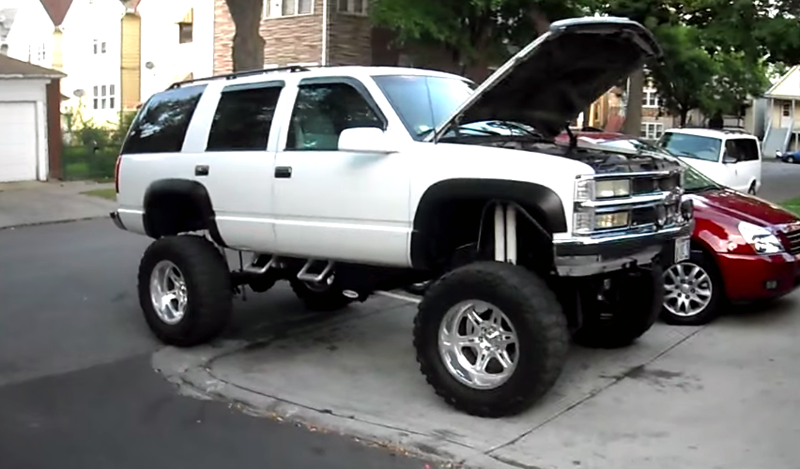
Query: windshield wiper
[
  {"x": 515, "y": 126},
  {"x": 573, "y": 140}
]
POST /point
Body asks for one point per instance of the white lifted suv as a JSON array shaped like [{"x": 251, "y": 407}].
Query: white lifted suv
[{"x": 350, "y": 180}]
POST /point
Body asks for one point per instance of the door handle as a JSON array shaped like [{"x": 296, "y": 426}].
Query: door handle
[
  {"x": 283, "y": 172},
  {"x": 201, "y": 170}
]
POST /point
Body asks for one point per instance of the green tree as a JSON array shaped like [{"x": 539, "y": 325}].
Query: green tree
[
  {"x": 685, "y": 71},
  {"x": 476, "y": 33}
]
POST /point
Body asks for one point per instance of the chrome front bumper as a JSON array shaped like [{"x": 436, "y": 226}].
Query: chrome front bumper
[{"x": 578, "y": 257}]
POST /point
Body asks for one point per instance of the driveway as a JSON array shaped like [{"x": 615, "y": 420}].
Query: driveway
[
  {"x": 30, "y": 203},
  {"x": 718, "y": 396}
]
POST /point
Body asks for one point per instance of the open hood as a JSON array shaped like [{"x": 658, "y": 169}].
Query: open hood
[{"x": 558, "y": 75}]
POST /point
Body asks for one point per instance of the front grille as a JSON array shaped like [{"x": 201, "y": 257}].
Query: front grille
[
  {"x": 793, "y": 238},
  {"x": 647, "y": 185}
]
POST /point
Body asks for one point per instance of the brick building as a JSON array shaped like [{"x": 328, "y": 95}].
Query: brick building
[{"x": 303, "y": 32}]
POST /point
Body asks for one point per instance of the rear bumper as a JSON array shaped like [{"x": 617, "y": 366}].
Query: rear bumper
[
  {"x": 756, "y": 277},
  {"x": 577, "y": 257}
]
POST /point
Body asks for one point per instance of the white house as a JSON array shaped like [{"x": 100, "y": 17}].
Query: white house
[
  {"x": 28, "y": 32},
  {"x": 177, "y": 42},
  {"x": 783, "y": 115},
  {"x": 30, "y": 134}
]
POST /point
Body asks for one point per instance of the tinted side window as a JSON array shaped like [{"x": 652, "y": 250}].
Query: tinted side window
[
  {"x": 161, "y": 124},
  {"x": 323, "y": 111},
  {"x": 743, "y": 149},
  {"x": 243, "y": 118}
]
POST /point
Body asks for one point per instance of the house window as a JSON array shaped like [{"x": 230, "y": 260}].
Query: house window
[
  {"x": 787, "y": 109},
  {"x": 185, "y": 33},
  {"x": 98, "y": 47},
  {"x": 104, "y": 97},
  {"x": 278, "y": 8},
  {"x": 353, "y": 7},
  {"x": 652, "y": 130},
  {"x": 650, "y": 98}
]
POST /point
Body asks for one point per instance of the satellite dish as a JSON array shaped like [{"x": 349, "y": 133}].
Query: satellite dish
[
  {"x": 79, "y": 93},
  {"x": 149, "y": 65}
]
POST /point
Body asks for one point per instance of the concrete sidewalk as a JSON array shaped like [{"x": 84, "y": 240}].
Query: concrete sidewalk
[
  {"x": 694, "y": 398},
  {"x": 30, "y": 203}
]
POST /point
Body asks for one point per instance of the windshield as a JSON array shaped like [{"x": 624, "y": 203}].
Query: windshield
[
  {"x": 692, "y": 146},
  {"x": 423, "y": 102}
]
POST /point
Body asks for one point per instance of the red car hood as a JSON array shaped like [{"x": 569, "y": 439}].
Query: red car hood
[{"x": 742, "y": 207}]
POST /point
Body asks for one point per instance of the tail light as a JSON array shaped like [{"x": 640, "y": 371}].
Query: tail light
[{"x": 116, "y": 174}]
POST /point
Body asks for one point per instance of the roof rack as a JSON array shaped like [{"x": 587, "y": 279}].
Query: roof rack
[{"x": 248, "y": 73}]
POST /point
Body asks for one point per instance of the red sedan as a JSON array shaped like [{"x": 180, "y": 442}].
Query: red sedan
[{"x": 743, "y": 249}]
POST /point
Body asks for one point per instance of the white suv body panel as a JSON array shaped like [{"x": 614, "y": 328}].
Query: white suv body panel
[{"x": 336, "y": 205}]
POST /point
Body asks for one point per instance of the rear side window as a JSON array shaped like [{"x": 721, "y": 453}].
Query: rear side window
[
  {"x": 244, "y": 117},
  {"x": 160, "y": 126},
  {"x": 743, "y": 149}
]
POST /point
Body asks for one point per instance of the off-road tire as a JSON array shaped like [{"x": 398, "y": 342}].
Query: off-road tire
[
  {"x": 636, "y": 310},
  {"x": 543, "y": 338},
  {"x": 208, "y": 283},
  {"x": 711, "y": 310},
  {"x": 330, "y": 299}
]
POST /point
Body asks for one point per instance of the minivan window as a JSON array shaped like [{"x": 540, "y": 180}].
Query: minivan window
[
  {"x": 423, "y": 102},
  {"x": 691, "y": 146},
  {"x": 243, "y": 118},
  {"x": 743, "y": 149},
  {"x": 160, "y": 126}
]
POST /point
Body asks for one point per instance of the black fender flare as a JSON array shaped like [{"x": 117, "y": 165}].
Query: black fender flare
[
  {"x": 526, "y": 194},
  {"x": 181, "y": 188}
]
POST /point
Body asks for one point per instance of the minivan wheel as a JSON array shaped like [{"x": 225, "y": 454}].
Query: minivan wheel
[
  {"x": 490, "y": 338},
  {"x": 184, "y": 290}
]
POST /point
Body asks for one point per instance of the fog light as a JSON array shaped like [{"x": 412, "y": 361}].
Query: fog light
[
  {"x": 771, "y": 284},
  {"x": 604, "y": 221}
]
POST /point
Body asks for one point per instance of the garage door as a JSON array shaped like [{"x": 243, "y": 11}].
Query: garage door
[{"x": 17, "y": 142}]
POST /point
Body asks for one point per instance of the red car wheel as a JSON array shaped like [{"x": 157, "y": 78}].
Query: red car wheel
[{"x": 692, "y": 291}]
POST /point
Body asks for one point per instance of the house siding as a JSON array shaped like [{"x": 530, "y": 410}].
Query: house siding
[
  {"x": 350, "y": 39},
  {"x": 288, "y": 40},
  {"x": 130, "y": 70}
]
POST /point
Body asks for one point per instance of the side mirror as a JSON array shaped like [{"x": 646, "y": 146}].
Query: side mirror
[
  {"x": 365, "y": 140},
  {"x": 729, "y": 159}
]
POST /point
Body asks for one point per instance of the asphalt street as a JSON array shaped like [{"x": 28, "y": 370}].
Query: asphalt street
[
  {"x": 77, "y": 389},
  {"x": 780, "y": 181},
  {"x": 77, "y": 385}
]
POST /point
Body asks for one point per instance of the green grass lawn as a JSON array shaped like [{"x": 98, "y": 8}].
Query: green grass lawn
[
  {"x": 792, "y": 205},
  {"x": 110, "y": 194}
]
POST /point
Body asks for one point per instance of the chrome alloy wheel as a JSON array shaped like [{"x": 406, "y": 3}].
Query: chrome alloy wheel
[
  {"x": 168, "y": 292},
  {"x": 687, "y": 289},
  {"x": 478, "y": 344}
]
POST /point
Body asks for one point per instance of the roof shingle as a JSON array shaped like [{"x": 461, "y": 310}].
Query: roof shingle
[
  {"x": 57, "y": 9},
  {"x": 13, "y": 68}
]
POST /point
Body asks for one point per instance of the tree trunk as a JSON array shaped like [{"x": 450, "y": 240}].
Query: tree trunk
[
  {"x": 633, "y": 109},
  {"x": 248, "y": 45},
  {"x": 684, "y": 113}
]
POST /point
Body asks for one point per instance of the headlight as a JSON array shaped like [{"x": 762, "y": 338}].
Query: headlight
[
  {"x": 606, "y": 189},
  {"x": 762, "y": 240},
  {"x": 586, "y": 222},
  {"x": 590, "y": 189}
]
